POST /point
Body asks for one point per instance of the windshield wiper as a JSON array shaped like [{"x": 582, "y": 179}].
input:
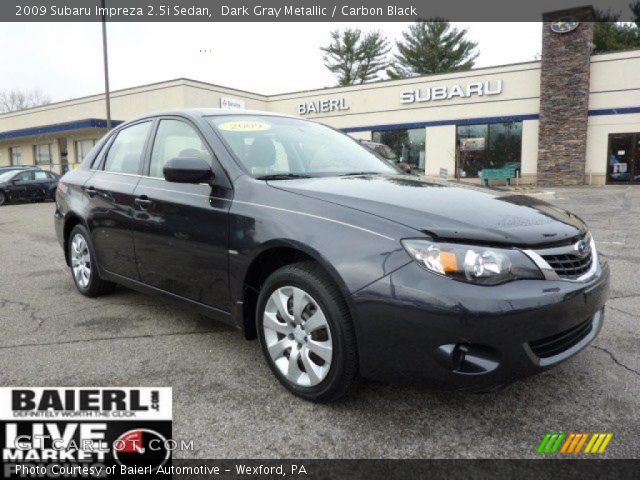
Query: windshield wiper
[
  {"x": 283, "y": 176},
  {"x": 358, "y": 173}
]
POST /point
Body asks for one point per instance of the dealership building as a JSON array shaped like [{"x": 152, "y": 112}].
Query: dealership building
[{"x": 571, "y": 118}]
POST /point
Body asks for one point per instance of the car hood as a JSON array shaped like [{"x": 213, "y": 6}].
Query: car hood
[{"x": 446, "y": 210}]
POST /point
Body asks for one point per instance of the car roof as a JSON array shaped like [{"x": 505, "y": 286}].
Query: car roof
[{"x": 208, "y": 112}]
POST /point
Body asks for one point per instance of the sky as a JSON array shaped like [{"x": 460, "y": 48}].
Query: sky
[{"x": 64, "y": 60}]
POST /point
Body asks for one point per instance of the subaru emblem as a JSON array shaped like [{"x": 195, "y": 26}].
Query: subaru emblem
[
  {"x": 564, "y": 25},
  {"x": 582, "y": 248}
]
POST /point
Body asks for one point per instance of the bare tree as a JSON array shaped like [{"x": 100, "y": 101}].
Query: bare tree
[{"x": 16, "y": 99}]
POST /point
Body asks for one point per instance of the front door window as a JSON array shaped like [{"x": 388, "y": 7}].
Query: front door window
[{"x": 623, "y": 164}]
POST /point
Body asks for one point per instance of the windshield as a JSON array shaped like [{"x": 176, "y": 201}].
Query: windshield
[
  {"x": 8, "y": 175},
  {"x": 287, "y": 147}
]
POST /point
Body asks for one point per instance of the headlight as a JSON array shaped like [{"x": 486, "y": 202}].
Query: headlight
[{"x": 472, "y": 263}]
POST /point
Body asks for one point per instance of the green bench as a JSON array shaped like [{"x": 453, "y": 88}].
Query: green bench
[{"x": 498, "y": 174}]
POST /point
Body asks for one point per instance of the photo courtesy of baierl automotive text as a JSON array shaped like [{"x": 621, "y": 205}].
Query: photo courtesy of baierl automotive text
[{"x": 320, "y": 240}]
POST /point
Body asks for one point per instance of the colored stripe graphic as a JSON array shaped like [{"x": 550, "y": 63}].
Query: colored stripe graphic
[
  {"x": 550, "y": 443},
  {"x": 583, "y": 438},
  {"x": 607, "y": 439},
  {"x": 570, "y": 439},
  {"x": 543, "y": 443},
  {"x": 598, "y": 442},
  {"x": 572, "y": 443}
]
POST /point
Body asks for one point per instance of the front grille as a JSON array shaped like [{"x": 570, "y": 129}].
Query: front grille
[
  {"x": 558, "y": 343},
  {"x": 570, "y": 266}
]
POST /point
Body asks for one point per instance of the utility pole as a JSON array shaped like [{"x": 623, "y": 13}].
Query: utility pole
[{"x": 105, "y": 56}]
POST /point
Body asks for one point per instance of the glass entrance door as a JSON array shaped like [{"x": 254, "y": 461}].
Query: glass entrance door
[{"x": 623, "y": 165}]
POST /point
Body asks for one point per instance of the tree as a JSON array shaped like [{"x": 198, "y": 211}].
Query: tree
[
  {"x": 610, "y": 35},
  {"x": 355, "y": 58},
  {"x": 12, "y": 100},
  {"x": 373, "y": 57},
  {"x": 430, "y": 47}
]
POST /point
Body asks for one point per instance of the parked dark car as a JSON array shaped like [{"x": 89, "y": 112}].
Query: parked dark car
[
  {"x": 18, "y": 167},
  {"x": 27, "y": 184},
  {"x": 298, "y": 235},
  {"x": 386, "y": 153}
]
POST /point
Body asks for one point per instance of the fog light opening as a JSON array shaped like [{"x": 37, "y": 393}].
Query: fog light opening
[{"x": 468, "y": 359}]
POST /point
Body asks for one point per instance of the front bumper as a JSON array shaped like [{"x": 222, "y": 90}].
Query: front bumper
[{"x": 413, "y": 324}]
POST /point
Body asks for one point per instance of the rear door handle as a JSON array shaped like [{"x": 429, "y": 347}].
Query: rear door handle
[
  {"x": 91, "y": 191},
  {"x": 143, "y": 202}
]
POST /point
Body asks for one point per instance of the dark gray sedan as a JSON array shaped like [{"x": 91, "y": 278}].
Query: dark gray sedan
[{"x": 340, "y": 265}]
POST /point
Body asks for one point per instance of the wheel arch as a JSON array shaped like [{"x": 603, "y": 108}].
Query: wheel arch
[
  {"x": 71, "y": 220},
  {"x": 272, "y": 256}
]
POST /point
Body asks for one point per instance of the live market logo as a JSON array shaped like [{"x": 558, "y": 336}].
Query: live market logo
[{"x": 54, "y": 432}]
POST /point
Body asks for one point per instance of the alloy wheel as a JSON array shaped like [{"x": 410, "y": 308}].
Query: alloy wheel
[
  {"x": 80, "y": 260},
  {"x": 297, "y": 336}
]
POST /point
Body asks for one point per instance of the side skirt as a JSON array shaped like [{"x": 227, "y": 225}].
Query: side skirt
[{"x": 211, "y": 312}]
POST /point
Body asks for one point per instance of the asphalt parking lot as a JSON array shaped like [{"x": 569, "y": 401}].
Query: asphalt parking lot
[{"x": 229, "y": 403}]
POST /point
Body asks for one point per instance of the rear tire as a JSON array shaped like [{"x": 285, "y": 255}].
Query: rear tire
[
  {"x": 84, "y": 266},
  {"x": 3, "y": 198},
  {"x": 306, "y": 333}
]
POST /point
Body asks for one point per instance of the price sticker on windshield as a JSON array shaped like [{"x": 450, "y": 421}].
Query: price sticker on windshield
[{"x": 245, "y": 126}]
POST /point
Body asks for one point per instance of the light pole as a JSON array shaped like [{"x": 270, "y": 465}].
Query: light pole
[{"x": 105, "y": 57}]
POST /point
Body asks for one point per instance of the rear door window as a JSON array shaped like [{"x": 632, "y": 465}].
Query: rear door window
[{"x": 125, "y": 153}]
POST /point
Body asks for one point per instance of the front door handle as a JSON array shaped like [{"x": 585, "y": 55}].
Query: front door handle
[
  {"x": 91, "y": 191},
  {"x": 143, "y": 202}
]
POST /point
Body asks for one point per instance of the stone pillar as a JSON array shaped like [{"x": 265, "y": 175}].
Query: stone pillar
[{"x": 564, "y": 96}]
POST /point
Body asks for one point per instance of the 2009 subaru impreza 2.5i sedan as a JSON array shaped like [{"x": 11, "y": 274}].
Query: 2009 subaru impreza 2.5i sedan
[{"x": 340, "y": 265}]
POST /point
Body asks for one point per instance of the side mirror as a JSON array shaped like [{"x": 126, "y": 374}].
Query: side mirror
[{"x": 187, "y": 170}]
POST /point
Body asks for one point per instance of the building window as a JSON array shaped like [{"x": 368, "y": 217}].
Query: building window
[
  {"x": 82, "y": 148},
  {"x": 42, "y": 154},
  {"x": 408, "y": 145},
  {"x": 15, "y": 155},
  {"x": 494, "y": 145}
]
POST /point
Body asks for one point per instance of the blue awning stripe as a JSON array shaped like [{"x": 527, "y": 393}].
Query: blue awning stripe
[
  {"x": 57, "y": 128},
  {"x": 479, "y": 120},
  {"x": 613, "y": 111},
  {"x": 439, "y": 123}
]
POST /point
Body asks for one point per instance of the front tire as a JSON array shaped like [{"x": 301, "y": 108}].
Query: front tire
[
  {"x": 3, "y": 198},
  {"x": 306, "y": 333},
  {"x": 83, "y": 264}
]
